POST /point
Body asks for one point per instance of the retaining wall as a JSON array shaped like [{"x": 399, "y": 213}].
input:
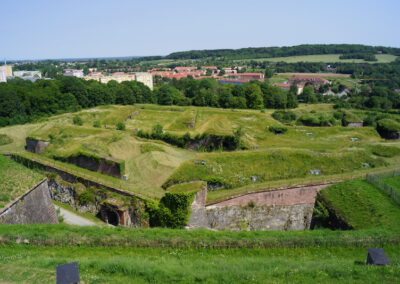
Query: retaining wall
[
  {"x": 34, "y": 207},
  {"x": 284, "y": 209}
]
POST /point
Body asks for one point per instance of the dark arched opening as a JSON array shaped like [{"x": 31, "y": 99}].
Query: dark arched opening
[{"x": 109, "y": 216}]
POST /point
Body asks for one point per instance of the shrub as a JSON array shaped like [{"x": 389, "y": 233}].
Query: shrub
[
  {"x": 97, "y": 124},
  {"x": 121, "y": 126},
  {"x": 388, "y": 128},
  {"x": 86, "y": 197},
  {"x": 77, "y": 120},
  {"x": 278, "y": 129},
  {"x": 5, "y": 139},
  {"x": 284, "y": 116},
  {"x": 385, "y": 151},
  {"x": 173, "y": 211}
]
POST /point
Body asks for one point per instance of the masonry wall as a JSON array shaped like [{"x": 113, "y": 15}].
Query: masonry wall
[
  {"x": 34, "y": 207},
  {"x": 285, "y": 209}
]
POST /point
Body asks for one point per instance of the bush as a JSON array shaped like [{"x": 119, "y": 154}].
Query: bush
[
  {"x": 86, "y": 197},
  {"x": 277, "y": 129},
  {"x": 121, "y": 126},
  {"x": 284, "y": 116},
  {"x": 97, "y": 124},
  {"x": 77, "y": 120},
  {"x": 385, "y": 151},
  {"x": 388, "y": 128},
  {"x": 5, "y": 139},
  {"x": 173, "y": 211}
]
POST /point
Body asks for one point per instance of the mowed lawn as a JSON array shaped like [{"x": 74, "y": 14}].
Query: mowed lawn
[{"x": 33, "y": 264}]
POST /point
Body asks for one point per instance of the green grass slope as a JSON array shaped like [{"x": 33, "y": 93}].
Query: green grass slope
[
  {"x": 237, "y": 168},
  {"x": 15, "y": 180},
  {"x": 361, "y": 205}
]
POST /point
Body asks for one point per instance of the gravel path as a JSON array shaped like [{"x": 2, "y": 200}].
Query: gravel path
[{"x": 73, "y": 219}]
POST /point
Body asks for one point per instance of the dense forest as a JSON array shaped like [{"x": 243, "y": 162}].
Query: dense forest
[{"x": 270, "y": 52}]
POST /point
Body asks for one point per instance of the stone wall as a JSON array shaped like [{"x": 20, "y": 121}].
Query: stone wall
[
  {"x": 355, "y": 124},
  {"x": 102, "y": 165},
  {"x": 34, "y": 207},
  {"x": 36, "y": 146},
  {"x": 126, "y": 216},
  {"x": 285, "y": 209}
]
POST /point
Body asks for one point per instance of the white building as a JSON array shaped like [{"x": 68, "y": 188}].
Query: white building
[
  {"x": 145, "y": 77},
  {"x": 24, "y": 73},
  {"x": 74, "y": 72},
  {"x": 5, "y": 71},
  {"x": 3, "y": 77}
]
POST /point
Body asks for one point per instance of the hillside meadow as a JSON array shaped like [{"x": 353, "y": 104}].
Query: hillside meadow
[{"x": 150, "y": 164}]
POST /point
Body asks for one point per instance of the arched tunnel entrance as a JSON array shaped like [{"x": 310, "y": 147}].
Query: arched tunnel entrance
[
  {"x": 112, "y": 217},
  {"x": 109, "y": 215}
]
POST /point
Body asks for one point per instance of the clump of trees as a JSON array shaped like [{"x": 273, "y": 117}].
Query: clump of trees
[
  {"x": 22, "y": 101},
  {"x": 208, "y": 92}
]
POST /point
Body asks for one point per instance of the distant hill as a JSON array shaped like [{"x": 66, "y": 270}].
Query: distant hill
[{"x": 272, "y": 52}]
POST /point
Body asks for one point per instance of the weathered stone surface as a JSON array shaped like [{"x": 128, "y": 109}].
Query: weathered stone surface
[
  {"x": 355, "y": 124},
  {"x": 258, "y": 218},
  {"x": 106, "y": 166},
  {"x": 34, "y": 207},
  {"x": 286, "y": 209},
  {"x": 36, "y": 146}
]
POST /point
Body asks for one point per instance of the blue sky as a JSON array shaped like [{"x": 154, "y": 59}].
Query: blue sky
[{"x": 37, "y": 29}]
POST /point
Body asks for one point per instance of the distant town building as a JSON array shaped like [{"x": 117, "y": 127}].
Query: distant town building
[
  {"x": 3, "y": 77},
  {"x": 74, "y": 73},
  {"x": 232, "y": 81},
  {"x": 247, "y": 76},
  {"x": 185, "y": 69},
  {"x": 5, "y": 71},
  {"x": 143, "y": 77},
  {"x": 24, "y": 73},
  {"x": 229, "y": 71}
]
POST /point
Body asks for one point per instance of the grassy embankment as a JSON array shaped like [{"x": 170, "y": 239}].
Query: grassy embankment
[
  {"x": 361, "y": 205},
  {"x": 181, "y": 256},
  {"x": 150, "y": 163},
  {"x": 15, "y": 180}
]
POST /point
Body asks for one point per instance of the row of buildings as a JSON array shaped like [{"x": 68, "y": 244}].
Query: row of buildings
[
  {"x": 6, "y": 73},
  {"x": 143, "y": 77},
  {"x": 225, "y": 75}
]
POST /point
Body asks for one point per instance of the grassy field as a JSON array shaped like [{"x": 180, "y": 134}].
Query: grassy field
[
  {"x": 150, "y": 163},
  {"x": 328, "y": 58},
  {"x": 15, "y": 180},
  {"x": 354, "y": 200},
  {"x": 32, "y": 264},
  {"x": 393, "y": 182}
]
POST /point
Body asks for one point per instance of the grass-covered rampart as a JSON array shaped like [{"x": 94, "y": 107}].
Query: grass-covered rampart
[
  {"x": 356, "y": 204},
  {"x": 15, "y": 180},
  {"x": 242, "y": 168}
]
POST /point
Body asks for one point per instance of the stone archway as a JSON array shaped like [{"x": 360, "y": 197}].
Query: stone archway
[{"x": 109, "y": 215}]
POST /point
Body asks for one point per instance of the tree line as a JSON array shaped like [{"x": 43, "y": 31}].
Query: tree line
[
  {"x": 22, "y": 101},
  {"x": 270, "y": 52}
]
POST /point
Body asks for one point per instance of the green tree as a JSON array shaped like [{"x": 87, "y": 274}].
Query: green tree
[{"x": 308, "y": 95}]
